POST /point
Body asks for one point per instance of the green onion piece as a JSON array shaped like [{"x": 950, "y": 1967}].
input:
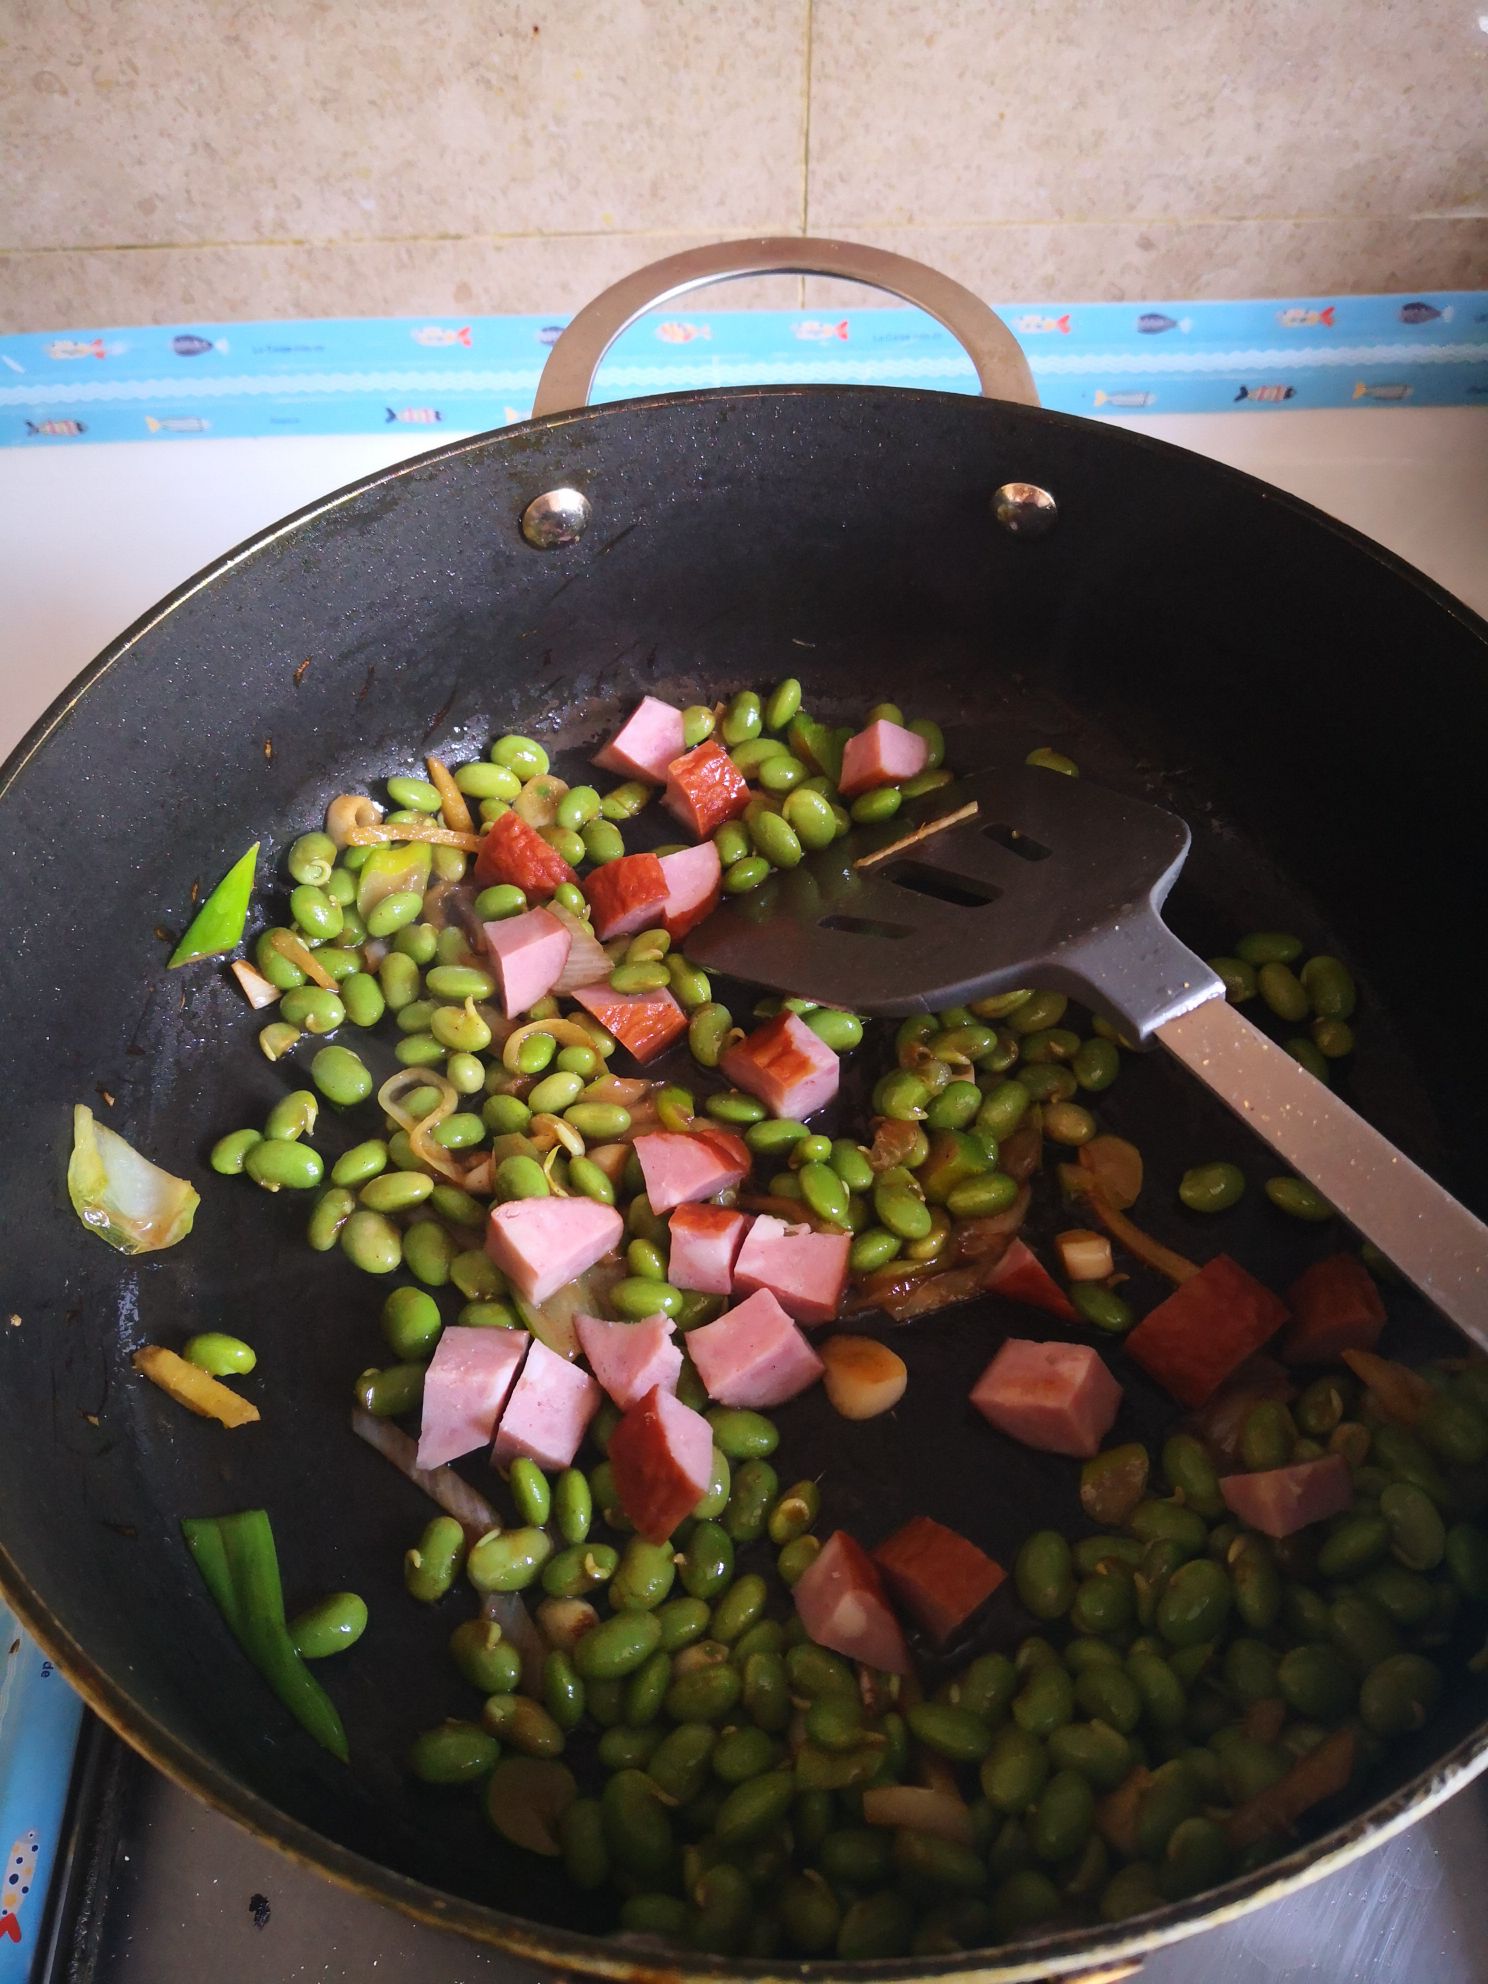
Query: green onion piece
[
  {"x": 218, "y": 925},
  {"x": 240, "y": 1568}
]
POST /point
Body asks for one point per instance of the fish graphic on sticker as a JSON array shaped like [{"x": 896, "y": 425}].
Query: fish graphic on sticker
[
  {"x": 1132, "y": 399},
  {"x": 1032, "y": 325},
  {"x": 550, "y": 334},
  {"x": 1300, "y": 318},
  {"x": 813, "y": 331},
  {"x": 674, "y": 333},
  {"x": 81, "y": 348},
  {"x": 60, "y": 428},
  {"x": 191, "y": 344},
  {"x": 20, "y": 1870},
  {"x": 184, "y": 423},
  {"x": 1265, "y": 395},
  {"x": 1152, "y": 322},
  {"x": 1364, "y": 391},
  {"x": 431, "y": 335},
  {"x": 415, "y": 416},
  {"x": 1424, "y": 313}
]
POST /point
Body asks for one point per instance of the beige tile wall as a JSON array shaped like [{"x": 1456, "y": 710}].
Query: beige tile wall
[{"x": 168, "y": 159}]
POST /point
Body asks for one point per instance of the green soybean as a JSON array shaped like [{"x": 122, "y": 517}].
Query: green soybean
[
  {"x": 1298, "y": 1198},
  {"x": 454, "y": 1753},
  {"x": 508, "y": 1560},
  {"x": 432, "y": 1565}
]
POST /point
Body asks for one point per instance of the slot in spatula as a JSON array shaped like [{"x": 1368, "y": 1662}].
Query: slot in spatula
[{"x": 1017, "y": 876}]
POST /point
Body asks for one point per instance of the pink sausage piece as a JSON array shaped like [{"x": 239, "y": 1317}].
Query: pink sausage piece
[
  {"x": 806, "y": 1272},
  {"x": 527, "y": 953},
  {"x": 883, "y": 754},
  {"x": 843, "y": 1605},
  {"x": 548, "y": 1412},
  {"x": 630, "y": 1358},
  {"x": 694, "y": 881},
  {"x": 662, "y": 1457},
  {"x": 680, "y": 1166},
  {"x": 646, "y": 743},
  {"x": 541, "y": 1244},
  {"x": 1058, "y": 1397},
  {"x": 465, "y": 1387},
  {"x": 703, "y": 1244},
  {"x": 753, "y": 1355},
  {"x": 1281, "y": 1500},
  {"x": 786, "y": 1065}
]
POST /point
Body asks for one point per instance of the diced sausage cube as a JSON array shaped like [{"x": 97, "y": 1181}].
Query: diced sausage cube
[
  {"x": 939, "y": 1576},
  {"x": 646, "y": 743},
  {"x": 662, "y": 1457},
  {"x": 541, "y": 1244},
  {"x": 465, "y": 1387},
  {"x": 704, "y": 788},
  {"x": 1335, "y": 1307},
  {"x": 753, "y": 1355},
  {"x": 883, "y": 754},
  {"x": 681, "y": 1166},
  {"x": 790, "y": 1068},
  {"x": 644, "y": 1023},
  {"x": 625, "y": 895},
  {"x": 548, "y": 1412},
  {"x": 703, "y": 1243},
  {"x": 630, "y": 1358},
  {"x": 806, "y": 1272},
  {"x": 1058, "y": 1397},
  {"x": 527, "y": 953},
  {"x": 511, "y": 851},
  {"x": 694, "y": 881},
  {"x": 1204, "y": 1330},
  {"x": 843, "y": 1605},
  {"x": 1280, "y": 1500},
  {"x": 1020, "y": 1276}
]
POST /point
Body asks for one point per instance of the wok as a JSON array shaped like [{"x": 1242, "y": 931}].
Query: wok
[{"x": 1311, "y": 705}]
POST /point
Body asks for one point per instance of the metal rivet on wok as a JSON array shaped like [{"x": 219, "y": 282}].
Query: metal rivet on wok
[
  {"x": 1025, "y": 509},
  {"x": 558, "y": 516}
]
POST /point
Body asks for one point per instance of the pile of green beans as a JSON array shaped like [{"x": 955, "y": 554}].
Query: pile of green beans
[{"x": 1181, "y": 1664}]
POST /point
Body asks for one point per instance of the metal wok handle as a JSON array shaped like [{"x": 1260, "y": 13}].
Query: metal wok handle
[{"x": 568, "y": 377}]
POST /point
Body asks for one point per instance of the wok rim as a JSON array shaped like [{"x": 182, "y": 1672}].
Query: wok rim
[{"x": 1091, "y": 1949}]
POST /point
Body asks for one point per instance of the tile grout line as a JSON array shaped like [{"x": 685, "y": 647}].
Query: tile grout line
[
  {"x": 17, "y": 249},
  {"x": 806, "y": 142}
]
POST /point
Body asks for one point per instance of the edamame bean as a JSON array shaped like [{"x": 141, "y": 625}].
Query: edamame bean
[
  {"x": 371, "y": 1242},
  {"x": 1330, "y": 986},
  {"x": 1044, "y": 1575},
  {"x": 618, "y": 1646},
  {"x": 508, "y": 1560},
  {"x": 220, "y": 1355},
  {"x": 1297, "y": 1197},
  {"x": 1282, "y": 991},
  {"x": 329, "y": 1626},
  {"x": 739, "y": 1608},
  {"x": 411, "y": 1324},
  {"x": 644, "y": 1576},
  {"x": 229, "y": 1152},
  {"x": 275, "y": 1164},
  {"x": 432, "y": 1565},
  {"x": 1398, "y": 1695},
  {"x": 1416, "y": 1532},
  {"x": 1195, "y": 1605},
  {"x": 454, "y": 1753},
  {"x": 707, "y": 1565},
  {"x": 523, "y": 1724},
  {"x": 1211, "y": 1187},
  {"x": 740, "y": 1434},
  {"x": 1102, "y": 1307},
  {"x": 755, "y": 1487},
  {"x": 1269, "y": 947},
  {"x": 1014, "y": 1771}
]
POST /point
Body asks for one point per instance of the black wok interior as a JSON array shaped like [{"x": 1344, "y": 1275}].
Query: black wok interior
[{"x": 1312, "y": 708}]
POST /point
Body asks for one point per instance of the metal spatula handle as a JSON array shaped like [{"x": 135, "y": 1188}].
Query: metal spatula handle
[{"x": 1435, "y": 1242}]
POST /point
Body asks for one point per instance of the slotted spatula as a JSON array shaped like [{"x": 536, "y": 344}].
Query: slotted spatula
[{"x": 1017, "y": 876}]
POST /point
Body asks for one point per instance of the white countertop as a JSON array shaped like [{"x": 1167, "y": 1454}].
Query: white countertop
[{"x": 94, "y": 535}]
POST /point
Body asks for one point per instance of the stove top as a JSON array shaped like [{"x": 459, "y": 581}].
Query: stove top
[{"x": 156, "y": 1889}]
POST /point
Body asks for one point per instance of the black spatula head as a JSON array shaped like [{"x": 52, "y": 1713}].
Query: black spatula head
[{"x": 1033, "y": 879}]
